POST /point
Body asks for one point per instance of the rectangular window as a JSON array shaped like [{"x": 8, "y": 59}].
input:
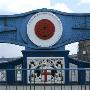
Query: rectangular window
[
  {"x": 73, "y": 72},
  {"x": 2, "y": 75},
  {"x": 18, "y": 72},
  {"x": 88, "y": 75}
]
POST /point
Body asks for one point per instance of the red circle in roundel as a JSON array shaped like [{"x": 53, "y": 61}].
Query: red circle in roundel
[{"x": 44, "y": 29}]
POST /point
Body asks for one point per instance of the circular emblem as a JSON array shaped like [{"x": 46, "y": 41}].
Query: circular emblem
[{"x": 44, "y": 29}]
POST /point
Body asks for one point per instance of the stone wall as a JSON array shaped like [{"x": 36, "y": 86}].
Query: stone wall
[{"x": 84, "y": 50}]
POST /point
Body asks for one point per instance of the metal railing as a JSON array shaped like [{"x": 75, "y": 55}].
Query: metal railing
[{"x": 45, "y": 79}]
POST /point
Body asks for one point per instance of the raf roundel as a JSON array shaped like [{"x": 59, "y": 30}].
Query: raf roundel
[{"x": 44, "y": 29}]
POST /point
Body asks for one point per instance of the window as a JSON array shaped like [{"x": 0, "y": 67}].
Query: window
[
  {"x": 87, "y": 75},
  {"x": 73, "y": 72},
  {"x": 18, "y": 72},
  {"x": 2, "y": 75}
]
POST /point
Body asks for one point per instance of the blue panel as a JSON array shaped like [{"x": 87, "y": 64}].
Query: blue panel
[
  {"x": 44, "y": 53},
  {"x": 13, "y": 28},
  {"x": 10, "y": 72}
]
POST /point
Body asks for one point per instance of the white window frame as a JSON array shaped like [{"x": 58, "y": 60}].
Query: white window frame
[{"x": 18, "y": 68}]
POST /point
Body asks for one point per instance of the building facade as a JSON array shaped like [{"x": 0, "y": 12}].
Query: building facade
[{"x": 84, "y": 50}]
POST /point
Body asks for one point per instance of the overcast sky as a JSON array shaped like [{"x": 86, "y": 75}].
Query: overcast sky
[{"x": 21, "y": 6}]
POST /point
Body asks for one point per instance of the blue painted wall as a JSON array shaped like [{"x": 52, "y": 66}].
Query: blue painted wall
[
  {"x": 13, "y": 29},
  {"x": 10, "y": 66}
]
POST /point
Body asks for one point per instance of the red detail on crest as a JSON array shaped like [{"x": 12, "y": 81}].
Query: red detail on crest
[
  {"x": 45, "y": 73},
  {"x": 44, "y": 29}
]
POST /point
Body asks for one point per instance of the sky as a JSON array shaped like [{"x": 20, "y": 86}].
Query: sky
[{"x": 9, "y": 7}]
